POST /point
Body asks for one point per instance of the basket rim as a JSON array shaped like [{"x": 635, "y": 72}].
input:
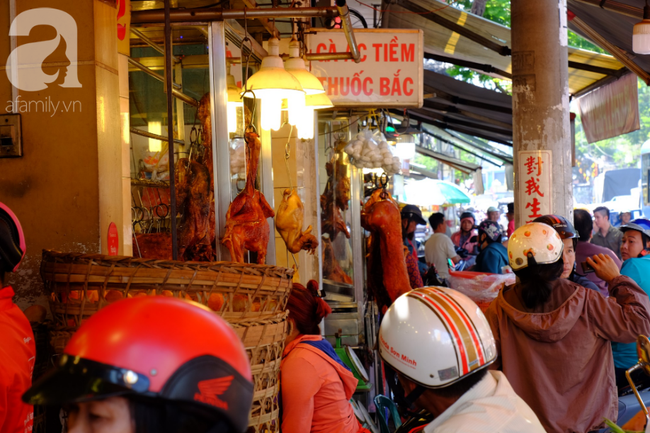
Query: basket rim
[{"x": 49, "y": 255}]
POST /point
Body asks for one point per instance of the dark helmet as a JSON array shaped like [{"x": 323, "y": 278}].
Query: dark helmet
[
  {"x": 468, "y": 215},
  {"x": 154, "y": 348},
  {"x": 561, "y": 225},
  {"x": 491, "y": 229},
  {"x": 12, "y": 240},
  {"x": 641, "y": 225},
  {"x": 411, "y": 211}
]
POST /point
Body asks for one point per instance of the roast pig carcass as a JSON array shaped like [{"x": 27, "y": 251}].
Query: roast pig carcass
[{"x": 387, "y": 274}]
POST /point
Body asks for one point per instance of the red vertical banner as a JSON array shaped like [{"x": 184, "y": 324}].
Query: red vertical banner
[
  {"x": 112, "y": 240},
  {"x": 535, "y": 174}
]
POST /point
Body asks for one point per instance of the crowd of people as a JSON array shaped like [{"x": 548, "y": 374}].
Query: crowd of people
[{"x": 548, "y": 355}]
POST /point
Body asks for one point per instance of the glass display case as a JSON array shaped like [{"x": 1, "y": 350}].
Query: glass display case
[{"x": 341, "y": 233}]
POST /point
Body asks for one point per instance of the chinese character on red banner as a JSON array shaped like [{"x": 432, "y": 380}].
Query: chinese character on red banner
[
  {"x": 534, "y": 209},
  {"x": 534, "y": 163},
  {"x": 532, "y": 186}
]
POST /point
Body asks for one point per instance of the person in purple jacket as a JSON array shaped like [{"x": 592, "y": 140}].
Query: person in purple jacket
[{"x": 584, "y": 225}]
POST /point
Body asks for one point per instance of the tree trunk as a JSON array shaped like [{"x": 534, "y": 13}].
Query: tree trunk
[{"x": 478, "y": 7}]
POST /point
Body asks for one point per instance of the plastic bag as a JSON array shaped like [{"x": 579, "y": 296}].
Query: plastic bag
[
  {"x": 370, "y": 150},
  {"x": 478, "y": 286}
]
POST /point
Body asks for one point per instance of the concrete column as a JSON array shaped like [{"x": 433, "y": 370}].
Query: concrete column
[
  {"x": 68, "y": 186},
  {"x": 540, "y": 96}
]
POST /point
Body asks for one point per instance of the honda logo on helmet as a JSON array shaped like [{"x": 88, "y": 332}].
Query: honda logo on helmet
[
  {"x": 25, "y": 63},
  {"x": 210, "y": 390}
]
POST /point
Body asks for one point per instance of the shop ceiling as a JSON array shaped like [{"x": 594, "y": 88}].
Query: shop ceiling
[{"x": 258, "y": 27}]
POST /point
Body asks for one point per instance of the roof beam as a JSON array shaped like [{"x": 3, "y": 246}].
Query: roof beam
[
  {"x": 436, "y": 106},
  {"x": 597, "y": 69},
  {"x": 615, "y": 51},
  {"x": 451, "y": 143},
  {"x": 442, "y": 125},
  {"x": 438, "y": 93},
  {"x": 432, "y": 16},
  {"x": 266, "y": 23},
  {"x": 445, "y": 159},
  {"x": 452, "y": 121},
  {"x": 467, "y": 64},
  {"x": 614, "y": 6},
  {"x": 472, "y": 141},
  {"x": 595, "y": 85}
]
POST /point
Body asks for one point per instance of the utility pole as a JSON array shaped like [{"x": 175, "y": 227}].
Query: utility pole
[{"x": 540, "y": 106}]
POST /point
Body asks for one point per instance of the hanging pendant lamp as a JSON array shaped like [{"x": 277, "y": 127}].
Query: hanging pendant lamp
[
  {"x": 271, "y": 84},
  {"x": 641, "y": 33},
  {"x": 312, "y": 102},
  {"x": 295, "y": 65}
]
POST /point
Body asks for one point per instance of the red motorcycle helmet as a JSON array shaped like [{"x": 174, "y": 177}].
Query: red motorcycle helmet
[
  {"x": 154, "y": 347},
  {"x": 12, "y": 240}
]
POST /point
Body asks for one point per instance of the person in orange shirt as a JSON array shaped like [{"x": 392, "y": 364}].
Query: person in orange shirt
[
  {"x": 17, "y": 347},
  {"x": 316, "y": 385}
]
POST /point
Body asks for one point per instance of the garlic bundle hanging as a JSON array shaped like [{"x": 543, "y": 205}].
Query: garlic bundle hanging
[{"x": 366, "y": 153}]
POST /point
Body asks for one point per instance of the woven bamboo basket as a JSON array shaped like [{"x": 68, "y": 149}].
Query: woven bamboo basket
[
  {"x": 252, "y": 298},
  {"x": 81, "y": 284},
  {"x": 264, "y": 344}
]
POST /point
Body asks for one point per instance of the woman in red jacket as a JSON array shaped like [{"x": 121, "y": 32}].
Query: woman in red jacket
[{"x": 316, "y": 385}]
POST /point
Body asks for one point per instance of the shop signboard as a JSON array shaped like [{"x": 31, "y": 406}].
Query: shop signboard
[
  {"x": 390, "y": 73},
  {"x": 535, "y": 175},
  {"x": 611, "y": 110}
]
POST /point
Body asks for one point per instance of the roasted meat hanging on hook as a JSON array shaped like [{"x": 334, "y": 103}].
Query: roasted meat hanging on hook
[
  {"x": 246, "y": 224},
  {"x": 387, "y": 274},
  {"x": 195, "y": 195},
  {"x": 288, "y": 221}
]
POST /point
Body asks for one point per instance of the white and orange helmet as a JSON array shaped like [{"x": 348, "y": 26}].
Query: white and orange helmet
[
  {"x": 436, "y": 336},
  {"x": 538, "y": 239}
]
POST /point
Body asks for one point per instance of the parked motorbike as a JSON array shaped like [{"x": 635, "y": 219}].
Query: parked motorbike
[{"x": 632, "y": 404}]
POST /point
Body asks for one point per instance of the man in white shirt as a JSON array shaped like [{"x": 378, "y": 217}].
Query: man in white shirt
[
  {"x": 439, "y": 247},
  {"x": 440, "y": 363}
]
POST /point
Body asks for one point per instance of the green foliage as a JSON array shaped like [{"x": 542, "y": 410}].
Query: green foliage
[
  {"x": 495, "y": 10},
  {"x": 577, "y": 41},
  {"x": 481, "y": 80}
]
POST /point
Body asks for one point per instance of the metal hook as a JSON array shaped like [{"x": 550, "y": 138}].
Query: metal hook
[{"x": 251, "y": 126}]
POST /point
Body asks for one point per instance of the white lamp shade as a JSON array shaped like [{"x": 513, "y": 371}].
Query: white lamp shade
[
  {"x": 641, "y": 37},
  {"x": 318, "y": 101},
  {"x": 272, "y": 80},
  {"x": 296, "y": 66}
]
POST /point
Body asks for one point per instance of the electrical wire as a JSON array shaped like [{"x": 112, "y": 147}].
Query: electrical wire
[{"x": 406, "y": 12}]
